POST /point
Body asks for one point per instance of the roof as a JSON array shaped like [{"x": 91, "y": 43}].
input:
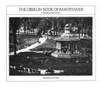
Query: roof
[{"x": 67, "y": 39}]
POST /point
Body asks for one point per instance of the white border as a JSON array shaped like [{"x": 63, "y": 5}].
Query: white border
[{"x": 52, "y": 78}]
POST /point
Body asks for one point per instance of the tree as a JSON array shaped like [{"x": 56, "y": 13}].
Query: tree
[{"x": 14, "y": 26}]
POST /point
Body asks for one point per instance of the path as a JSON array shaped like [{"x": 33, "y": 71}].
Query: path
[{"x": 41, "y": 41}]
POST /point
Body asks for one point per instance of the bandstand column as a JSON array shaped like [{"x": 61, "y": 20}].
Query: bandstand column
[{"x": 58, "y": 45}]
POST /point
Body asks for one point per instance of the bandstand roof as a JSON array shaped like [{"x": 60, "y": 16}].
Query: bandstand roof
[{"x": 67, "y": 39}]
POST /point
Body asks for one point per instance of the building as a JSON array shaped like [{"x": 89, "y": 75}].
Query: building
[{"x": 68, "y": 44}]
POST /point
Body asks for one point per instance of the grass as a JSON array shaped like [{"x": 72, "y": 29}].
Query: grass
[{"x": 34, "y": 60}]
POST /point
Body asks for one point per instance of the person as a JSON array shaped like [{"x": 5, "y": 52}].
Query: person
[{"x": 50, "y": 70}]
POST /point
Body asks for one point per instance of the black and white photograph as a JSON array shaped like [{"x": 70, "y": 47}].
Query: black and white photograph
[
  {"x": 50, "y": 46},
  {"x": 50, "y": 43}
]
